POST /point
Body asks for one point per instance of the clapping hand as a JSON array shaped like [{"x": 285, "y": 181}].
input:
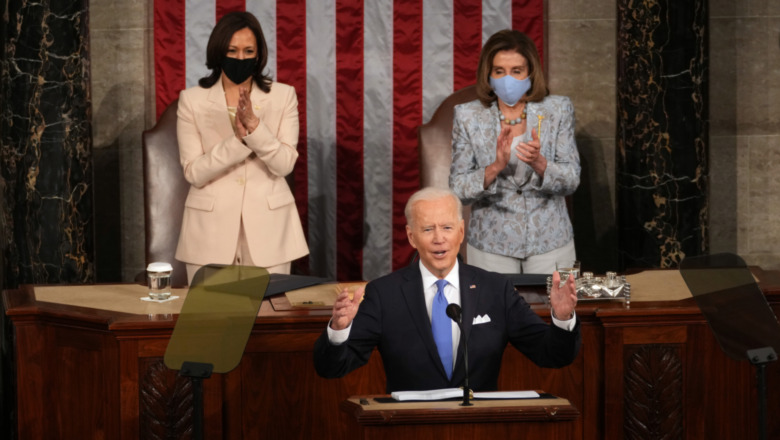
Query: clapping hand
[
  {"x": 246, "y": 120},
  {"x": 503, "y": 148},
  {"x": 345, "y": 308},
  {"x": 529, "y": 152}
]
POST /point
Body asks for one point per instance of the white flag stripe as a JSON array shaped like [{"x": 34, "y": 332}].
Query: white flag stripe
[
  {"x": 377, "y": 138},
  {"x": 321, "y": 134},
  {"x": 496, "y": 16},
  {"x": 200, "y": 16},
  {"x": 438, "y": 45},
  {"x": 265, "y": 11}
]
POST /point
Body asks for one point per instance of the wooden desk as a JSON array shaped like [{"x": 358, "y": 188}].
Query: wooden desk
[
  {"x": 84, "y": 372},
  {"x": 374, "y": 418}
]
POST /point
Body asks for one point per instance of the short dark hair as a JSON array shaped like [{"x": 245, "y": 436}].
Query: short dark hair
[
  {"x": 519, "y": 42},
  {"x": 219, "y": 42}
]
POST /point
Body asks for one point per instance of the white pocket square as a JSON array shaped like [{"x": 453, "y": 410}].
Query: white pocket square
[{"x": 481, "y": 319}]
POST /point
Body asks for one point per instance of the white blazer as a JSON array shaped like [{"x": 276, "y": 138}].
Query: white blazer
[{"x": 231, "y": 180}]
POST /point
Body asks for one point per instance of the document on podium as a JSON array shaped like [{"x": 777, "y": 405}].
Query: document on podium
[{"x": 451, "y": 393}]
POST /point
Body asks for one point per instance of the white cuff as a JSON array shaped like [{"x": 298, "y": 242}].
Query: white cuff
[
  {"x": 567, "y": 324},
  {"x": 338, "y": 337}
]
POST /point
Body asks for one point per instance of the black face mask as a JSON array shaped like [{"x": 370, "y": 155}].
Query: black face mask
[{"x": 238, "y": 70}]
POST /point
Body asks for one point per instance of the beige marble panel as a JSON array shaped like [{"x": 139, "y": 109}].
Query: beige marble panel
[
  {"x": 765, "y": 8},
  {"x": 764, "y": 193},
  {"x": 122, "y": 99},
  {"x": 745, "y": 102},
  {"x": 582, "y": 66},
  {"x": 118, "y": 14},
  {"x": 744, "y": 8},
  {"x": 580, "y": 10},
  {"x": 723, "y": 194},
  {"x": 758, "y": 74},
  {"x": 723, "y": 72},
  {"x": 743, "y": 198},
  {"x": 723, "y": 9}
]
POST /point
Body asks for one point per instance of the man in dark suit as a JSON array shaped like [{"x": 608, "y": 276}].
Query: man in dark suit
[{"x": 400, "y": 316}]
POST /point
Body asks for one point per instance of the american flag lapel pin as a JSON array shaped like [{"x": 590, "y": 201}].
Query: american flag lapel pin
[{"x": 473, "y": 286}]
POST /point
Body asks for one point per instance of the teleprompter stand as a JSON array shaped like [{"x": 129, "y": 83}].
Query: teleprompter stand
[
  {"x": 214, "y": 326},
  {"x": 738, "y": 314}
]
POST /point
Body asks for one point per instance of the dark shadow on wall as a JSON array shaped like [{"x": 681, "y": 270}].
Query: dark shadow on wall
[
  {"x": 595, "y": 230},
  {"x": 118, "y": 138},
  {"x": 107, "y": 216}
]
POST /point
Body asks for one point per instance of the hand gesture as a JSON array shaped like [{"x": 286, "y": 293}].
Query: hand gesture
[
  {"x": 246, "y": 120},
  {"x": 529, "y": 152},
  {"x": 563, "y": 298},
  {"x": 503, "y": 148},
  {"x": 345, "y": 308}
]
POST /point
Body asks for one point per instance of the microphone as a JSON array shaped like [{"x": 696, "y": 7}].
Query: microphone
[{"x": 456, "y": 314}]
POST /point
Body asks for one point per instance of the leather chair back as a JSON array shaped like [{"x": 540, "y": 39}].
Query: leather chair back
[
  {"x": 165, "y": 191},
  {"x": 434, "y": 141}
]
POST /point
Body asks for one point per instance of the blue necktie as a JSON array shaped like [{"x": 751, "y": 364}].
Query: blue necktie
[{"x": 442, "y": 327}]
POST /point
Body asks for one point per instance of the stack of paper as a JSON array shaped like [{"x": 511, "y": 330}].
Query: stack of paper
[{"x": 450, "y": 393}]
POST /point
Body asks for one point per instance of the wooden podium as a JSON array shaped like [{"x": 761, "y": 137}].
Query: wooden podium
[
  {"x": 380, "y": 418},
  {"x": 90, "y": 358}
]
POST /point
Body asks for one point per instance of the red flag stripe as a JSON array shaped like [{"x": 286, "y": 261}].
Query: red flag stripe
[
  {"x": 169, "y": 52},
  {"x": 349, "y": 139},
  {"x": 291, "y": 69},
  {"x": 225, "y": 6},
  {"x": 407, "y": 116},
  {"x": 467, "y": 41},
  {"x": 528, "y": 17}
]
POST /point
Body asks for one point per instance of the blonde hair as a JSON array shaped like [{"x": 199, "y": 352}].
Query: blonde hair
[{"x": 519, "y": 42}]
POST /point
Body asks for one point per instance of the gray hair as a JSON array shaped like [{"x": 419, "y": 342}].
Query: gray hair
[{"x": 431, "y": 193}]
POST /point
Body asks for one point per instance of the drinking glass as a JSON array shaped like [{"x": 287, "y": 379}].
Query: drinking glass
[{"x": 567, "y": 267}]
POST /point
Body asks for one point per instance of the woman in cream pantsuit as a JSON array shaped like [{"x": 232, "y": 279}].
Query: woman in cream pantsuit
[{"x": 238, "y": 132}]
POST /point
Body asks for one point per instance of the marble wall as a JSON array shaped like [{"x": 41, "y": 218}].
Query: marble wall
[
  {"x": 45, "y": 144},
  {"x": 744, "y": 129},
  {"x": 581, "y": 55},
  {"x": 662, "y": 140}
]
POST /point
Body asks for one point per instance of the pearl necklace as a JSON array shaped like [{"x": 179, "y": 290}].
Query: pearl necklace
[{"x": 519, "y": 120}]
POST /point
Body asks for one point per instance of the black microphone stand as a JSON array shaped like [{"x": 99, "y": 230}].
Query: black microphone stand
[{"x": 455, "y": 313}]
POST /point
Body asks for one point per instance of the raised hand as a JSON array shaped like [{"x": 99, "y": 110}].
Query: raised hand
[
  {"x": 345, "y": 308},
  {"x": 245, "y": 116},
  {"x": 529, "y": 152},
  {"x": 503, "y": 151},
  {"x": 563, "y": 299}
]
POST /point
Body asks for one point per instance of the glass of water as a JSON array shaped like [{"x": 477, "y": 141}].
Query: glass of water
[
  {"x": 158, "y": 275},
  {"x": 567, "y": 267}
]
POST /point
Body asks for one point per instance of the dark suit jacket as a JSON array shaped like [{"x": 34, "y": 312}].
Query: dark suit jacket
[{"x": 394, "y": 319}]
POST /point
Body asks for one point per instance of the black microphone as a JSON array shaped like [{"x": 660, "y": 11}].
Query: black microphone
[{"x": 456, "y": 314}]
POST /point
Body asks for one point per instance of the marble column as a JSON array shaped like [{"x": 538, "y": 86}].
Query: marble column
[
  {"x": 45, "y": 143},
  {"x": 662, "y": 125}
]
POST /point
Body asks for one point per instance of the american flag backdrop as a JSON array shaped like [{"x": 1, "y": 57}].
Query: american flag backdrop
[{"x": 367, "y": 74}]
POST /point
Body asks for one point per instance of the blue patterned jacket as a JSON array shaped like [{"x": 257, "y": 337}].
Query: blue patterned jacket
[{"x": 521, "y": 213}]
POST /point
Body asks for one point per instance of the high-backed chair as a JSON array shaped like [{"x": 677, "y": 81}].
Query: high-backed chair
[
  {"x": 434, "y": 141},
  {"x": 165, "y": 191}
]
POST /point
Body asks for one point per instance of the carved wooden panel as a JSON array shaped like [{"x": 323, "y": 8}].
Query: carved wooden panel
[
  {"x": 165, "y": 402},
  {"x": 653, "y": 396}
]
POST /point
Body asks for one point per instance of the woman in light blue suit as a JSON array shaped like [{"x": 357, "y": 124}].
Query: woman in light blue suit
[{"x": 514, "y": 160}]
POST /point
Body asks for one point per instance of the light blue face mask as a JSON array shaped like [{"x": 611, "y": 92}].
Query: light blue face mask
[{"x": 509, "y": 89}]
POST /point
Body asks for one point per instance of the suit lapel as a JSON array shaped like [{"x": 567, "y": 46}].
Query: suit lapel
[
  {"x": 217, "y": 109},
  {"x": 469, "y": 296},
  {"x": 412, "y": 290}
]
